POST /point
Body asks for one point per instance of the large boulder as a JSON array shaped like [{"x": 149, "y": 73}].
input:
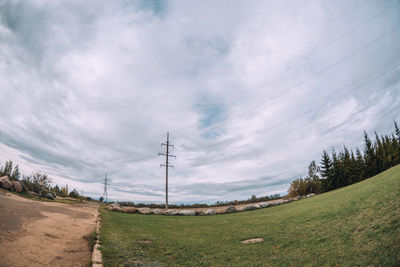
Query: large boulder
[
  {"x": 157, "y": 211},
  {"x": 129, "y": 209},
  {"x": 145, "y": 211},
  {"x": 230, "y": 209},
  {"x": 16, "y": 186},
  {"x": 171, "y": 212},
  {"x": 5, "y": 183},
  {"x": 264, "y": 205},
  {"x": 209, "y": 212},
  {"x": 311, "y": 195},
  {"x": 49, "y": 196},
  {"x": 115, "y": 208},
  {"x": 187, "y": 212},
  {"x": 250, "y": 207},
  {"x": 239, "y": 209}
]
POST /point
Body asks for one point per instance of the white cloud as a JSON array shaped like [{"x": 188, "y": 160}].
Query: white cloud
[{"x": 250, "y": 91}]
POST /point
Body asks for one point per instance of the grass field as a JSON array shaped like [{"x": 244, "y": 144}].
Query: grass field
[{"x": 358, "y": 225}]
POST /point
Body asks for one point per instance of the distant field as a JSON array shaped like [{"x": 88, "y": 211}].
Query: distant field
[{"x": 358, "y": 225}]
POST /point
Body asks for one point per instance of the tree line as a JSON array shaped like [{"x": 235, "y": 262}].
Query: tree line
[{"x": 345, "y": 167}]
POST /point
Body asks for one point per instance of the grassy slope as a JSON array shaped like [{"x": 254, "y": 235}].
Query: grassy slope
[{"x": 355, "y": 225}]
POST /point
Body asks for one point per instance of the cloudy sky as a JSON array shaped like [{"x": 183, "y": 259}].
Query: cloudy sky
[{"x": 250, "y": 91}]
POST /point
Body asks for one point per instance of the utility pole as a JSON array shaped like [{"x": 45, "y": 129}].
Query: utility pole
[
  {"x": 106, "y": 184},
  {"x": 166, "y": 165}
]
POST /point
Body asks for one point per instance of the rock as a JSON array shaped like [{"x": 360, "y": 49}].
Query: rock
[
  {"x": 187, "y": 212},
  {"x": 199, "y": 212},
  {"x": 220, "y": 211},
  {"x": 250, "y": 207},
  {"x": 230, "y": 209},
  {"x": 115, "y": 204},
  {"x": 170, "y": 212},
  {"x": 5, "y": 183},
  {"x": 129, "y": 209},
  {"x": 115, "y": 208},
  {"x": 264, "y": 205},
  {"x": 49, "y": 196},
  {"x": 209, "y": 212},
  {"x": 145, "y": 211},
  {"x": 32, "y": 193},
  {"x": 16, "y": 186},
  {"x": 157, "y": 211},
  {"x": 238, "y": 209},
  {"x": 311, "y": 195}
]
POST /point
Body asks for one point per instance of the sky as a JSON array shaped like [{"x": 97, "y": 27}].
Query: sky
[{"x": 250, "y": 91}]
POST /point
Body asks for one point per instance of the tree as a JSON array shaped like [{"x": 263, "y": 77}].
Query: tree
[
  {"x": 15, "y": 174},
  {"x": 74, "y": 193},
  {"x": 326, "y": 172},
  {"x": 101, "y": 198},
  {"x": 369, "y": 157},
  {"x": 314, "y": 182},
  {"x": 8, "y": 168}
]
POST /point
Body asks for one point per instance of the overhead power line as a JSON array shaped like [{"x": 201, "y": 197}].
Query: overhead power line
[{"x": 318, "y": 49}]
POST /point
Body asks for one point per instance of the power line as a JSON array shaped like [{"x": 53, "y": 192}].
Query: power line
[
  {"x": 316, "y": 74},
  {"x": 376, "y": 15},
  {"x": 166, "y": 165}
]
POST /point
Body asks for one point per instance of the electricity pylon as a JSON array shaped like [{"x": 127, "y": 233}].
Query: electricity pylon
[
  {"x": 106, "y": 184},
  {"x": 166, "y": 165}
]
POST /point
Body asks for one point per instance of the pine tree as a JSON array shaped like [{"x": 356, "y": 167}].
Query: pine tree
[
  {"x": 8, "y": 168},
  {"x": 326, "y": 172},
  {"x": 369, "y": 157},
  {"x": 359, "y": 168},
  {"x": 15, "y": 174}
]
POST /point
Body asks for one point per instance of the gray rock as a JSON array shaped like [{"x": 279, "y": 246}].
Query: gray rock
[
  {"x": 49, "y": 196},
  {"x": 311, "y": 195},
  {"x": 187, "y": 212},
  {"x": 230, "y": 209},
  {"x": 5, "y": 183},
  {"x": 157, "y": 211},
  {"x": 115, "y": 204},
  {"x": 171, "y": 212},
  {"x": 129, "y": 209},
  {"x": 145, "y": 211},
  {"x": 16, "y": 186},
  {"x": 264, "y": 205},
  {"x": 250, "y": 207},
  {"x": 238, "y": 209}
]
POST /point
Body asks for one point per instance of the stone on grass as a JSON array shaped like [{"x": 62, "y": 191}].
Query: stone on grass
[
  {"x": 250, "y": 207},
  {"x": 5, "y": 183},
  {"x": 171, "y": 212},
  {"x": 187, "y": 212},
  {"x": 129, "y": 209},
  {"x": 264, "y": 205},
  {"x": 115, "y": 208},
  {"x": 49, "y": 196},
  {"x": 157, "y": 211},
  {"x": 311, "y": 195},
  {"x": 16, "y": 186},
  {"x": 209, "y": 212},
  {"x": 145, "y": 211},
  {"x": 230, "y": 209},
  {"x": 238, "y": 209}
]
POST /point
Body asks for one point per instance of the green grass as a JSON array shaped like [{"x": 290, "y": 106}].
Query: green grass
[{"x": 358, "y": 225}]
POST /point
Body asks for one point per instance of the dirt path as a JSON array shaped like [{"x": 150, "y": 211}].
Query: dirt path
[{"x": 34, "y": 233}]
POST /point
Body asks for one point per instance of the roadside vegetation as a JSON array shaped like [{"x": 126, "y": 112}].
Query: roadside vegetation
[
  {"x": 358, "y": 225},
  {"x": 37, "y": 185}
]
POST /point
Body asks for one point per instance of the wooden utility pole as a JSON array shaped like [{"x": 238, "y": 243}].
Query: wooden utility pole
[{"x": 166, "y": 165}]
